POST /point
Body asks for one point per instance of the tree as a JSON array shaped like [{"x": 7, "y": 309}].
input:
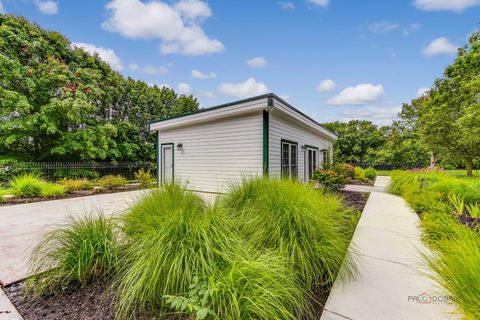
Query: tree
[
  {"x": 358, "y": 141},
  {"x": 448, "y": 119},
  {"x": 61, "y": 103}
]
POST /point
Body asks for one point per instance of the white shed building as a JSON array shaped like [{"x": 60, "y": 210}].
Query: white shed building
[{"x": 263, "y": 135}]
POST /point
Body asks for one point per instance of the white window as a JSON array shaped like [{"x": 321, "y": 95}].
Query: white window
[
  {"x": 289, "y": 159},
  {"x": 312, "y": 156}
]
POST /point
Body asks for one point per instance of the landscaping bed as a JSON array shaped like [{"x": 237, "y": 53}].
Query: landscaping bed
[
  {"x": 95, "y": 300},
  {"x": 76, "y": 194}
]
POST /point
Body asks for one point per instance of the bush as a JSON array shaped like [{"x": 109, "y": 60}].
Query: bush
[
  {"x": 112, "y": 182},
  {"x": 344, "y": 169},
  {"x": 76, "y": 174},
  {"x": 27, "y": 185},
  {"x": 144, "y": 177},
  {"x": 302, "y": 225},
  {"x": 330, "y": 179},
  {"x": 360, "y": 175},
  {"x": 51, "y": 190},
  {"x": 172, "y": 238},
  {"x": 370, "y": 173},
  {"x": 83, "y": 250},
  {"x": 76, "y": 185}
]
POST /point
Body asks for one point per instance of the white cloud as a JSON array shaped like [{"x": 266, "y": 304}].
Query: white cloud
[
  {"x": 285, "y": 97},
  {"x": 382, "y": 27},
  {"x": 451, "y": 5},
  {"x": 327, "y": 85},
  {"x": 1, "y": 8},
  {"x": 245, "y": 89},
  {"x": 133, "y": 66},
  {"x": 175, "y": 26},
  {"x": 439, "y": 46},
  {"x": 320, "y": 3},
  {"x": 208, "y": 94},
  {"x": 257, "y": 62},
  {"x": 286, "y": 5},
  {"x": 378, "y": 115},
  {"x": 184, "y": 88},
  {"x": 193, "y": 9},
  {"x": 149, "y": 69},
  {"x": 422, "y": 91},
  {"x": 361, "y": 94},
  {"x": 106, "y": 54},
  {"x": 47, "y": 7},
  {"x": 411, "y": 28},
  {"x": 202, "y": 76}
]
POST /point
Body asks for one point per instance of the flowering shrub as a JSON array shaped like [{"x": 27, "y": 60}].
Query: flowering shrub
[{"x": 330, "y": 179}]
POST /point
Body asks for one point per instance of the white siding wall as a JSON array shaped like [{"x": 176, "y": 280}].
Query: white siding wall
[
  {"x": 282, "y": 127},
  {"x": 215, "y": 153}
]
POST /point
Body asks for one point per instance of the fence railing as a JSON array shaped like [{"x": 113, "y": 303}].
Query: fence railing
[
  {"x": 460, "y": 172},
  {"x": 57, "y": 170}
]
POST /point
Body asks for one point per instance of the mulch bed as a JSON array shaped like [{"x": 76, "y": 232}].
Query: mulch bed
[
  {"x": 370, "y": 183},
  {"x": 96, "y": 302},
  {"x": 75, "y": 194},
  {"x": 353, "y": 199},
  {"x": 466, "y": 219}
]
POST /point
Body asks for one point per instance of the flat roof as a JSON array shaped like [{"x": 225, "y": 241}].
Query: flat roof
[{"x": 264, "y": 96}]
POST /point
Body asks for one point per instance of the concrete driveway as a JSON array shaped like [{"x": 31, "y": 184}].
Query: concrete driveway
[{"x": 22, "y": 226}]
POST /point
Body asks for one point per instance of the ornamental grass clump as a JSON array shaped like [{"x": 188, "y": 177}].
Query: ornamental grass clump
[
  {"x": 76, "y": 184},
  {"x": 172, "y": 237},
  {"x": 456, "y": 264},
  {"x": 83, "y": 250},
  {"x": 302, "y": 225},
  {"x": 26, "y": 186},
  {"x": 52, "y": 190}
]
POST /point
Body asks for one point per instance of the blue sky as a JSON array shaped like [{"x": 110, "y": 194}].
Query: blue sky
[{"x": 333, "y": 59}]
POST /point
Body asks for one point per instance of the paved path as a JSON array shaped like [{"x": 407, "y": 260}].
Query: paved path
[
  {"x": 23, "y": 225},
  {"x": 391, "y": 269}
]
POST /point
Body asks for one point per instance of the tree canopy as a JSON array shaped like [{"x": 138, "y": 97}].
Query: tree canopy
[{"x": 61, "y": 103}]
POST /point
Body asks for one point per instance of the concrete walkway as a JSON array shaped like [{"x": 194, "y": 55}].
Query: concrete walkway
[
  {"x": 23, "y": 225},
  {"x": 391, "y": 280}
]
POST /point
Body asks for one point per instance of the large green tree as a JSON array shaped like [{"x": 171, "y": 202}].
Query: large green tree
[
  {"x": 61, "y": 103},
  {"x": 448, "y": 118}
]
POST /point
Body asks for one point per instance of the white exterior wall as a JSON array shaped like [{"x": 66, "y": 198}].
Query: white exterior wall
[
  {"x": 218, "y": 152},
  {"x": 283, "y": 127}
]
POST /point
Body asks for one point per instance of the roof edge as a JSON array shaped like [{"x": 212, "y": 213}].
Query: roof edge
[{"x": 268, "y": 96}]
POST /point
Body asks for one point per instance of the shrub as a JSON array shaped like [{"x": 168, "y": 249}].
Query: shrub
[
  {"x": 27, "y": 185},
  {"x": 302, "y": 225},
  {"x": 344, "y": 169},
  {"x": 112, "y": 182},
  {"x": 360, "y": 175},
  {"x": 144, "y": 177},
  {"x": 76, "y": 185},
  {"x": 83, "y": 250},
  {"x": 172, "y": 238},
  {"x": 50, "y": 190},
  {"x": 370, "y": 173},
  {"x": 330, "y": 179}
]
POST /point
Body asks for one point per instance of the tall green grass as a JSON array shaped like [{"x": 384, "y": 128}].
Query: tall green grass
[
  {"x": 302, "y": 225},
  {"x": 27, "y": 185},
  {"x": 174, "y": 237},
  {"x": 457, "y": 267},
  {"x": 456, "y": 247},
  {"x": 81, "y": 251}
]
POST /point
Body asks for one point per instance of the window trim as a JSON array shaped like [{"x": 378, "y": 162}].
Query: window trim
[
  {"x": 161, "y": 162},
  {"x": 307, "y": 161},
  {"x": 290, "y": 143}
]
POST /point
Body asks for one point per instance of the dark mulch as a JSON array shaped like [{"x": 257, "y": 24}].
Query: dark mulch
[
  {"x": 466, "y": 219},
  {"x": 75, "y": 194},
  {"x": 92, "y": 302},
  {"x": 355, "y": 200},
  {"x": 96, "y": 301}
]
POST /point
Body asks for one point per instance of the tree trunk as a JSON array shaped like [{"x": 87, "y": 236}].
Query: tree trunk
[{"x": 469, "y": 167}]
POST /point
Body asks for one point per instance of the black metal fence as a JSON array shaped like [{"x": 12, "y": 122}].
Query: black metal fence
[
  {"x": 57, "y": 170},
  {"x": 384, "y": 166}
]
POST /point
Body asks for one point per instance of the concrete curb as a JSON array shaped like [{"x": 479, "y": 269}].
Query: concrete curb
[{"x": 7, "y": 309}]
